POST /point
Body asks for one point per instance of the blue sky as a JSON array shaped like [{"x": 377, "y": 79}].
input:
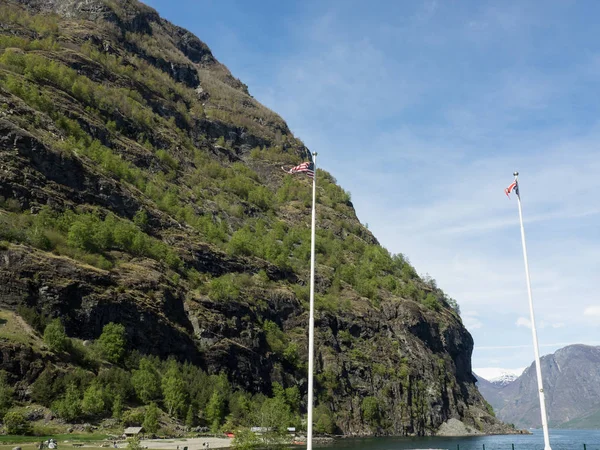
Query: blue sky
[{"x": 423, "y": 110}]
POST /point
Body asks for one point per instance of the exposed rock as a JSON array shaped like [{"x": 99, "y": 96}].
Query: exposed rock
[{"x": 454, "y": 427}]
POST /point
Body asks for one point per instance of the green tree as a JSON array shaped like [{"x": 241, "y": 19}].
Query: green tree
[
  {"x": 117, "y": 407},
  {"x": 6, "y": 393},
  {"x": 55, "y": 336},
  {"x": 44, "y": 390},
  {"x": 133, "y": 443},
  {"x": 174, "y": 392},
  {"x": 133, "y": 418},
  {"x": 215, "y": 410},
  {"x": 16, "y": 423},
  {"x": 292, "y": 398},
  {"x": 223, "y": 289},
  {"x": 117, "y": 382},
  {"x": 190, "y": 417},
  {"x": 431, "y": 302},
  {"x": 69, "y": 406},
  {"x": 323, "y": 420},
  {"x": 239, "y": 407},
  {"x": 151, "y": 418},
  {"x": 112, "y": 342},
  {"x": 370, "y": 411},
  {"x": 274, "y": 413},
  {"x": 146, "y": 382},
  {"x": 245, "y": 440},
  {"x": 141, "y": 219},
  {"x": 93, "y": 401}
]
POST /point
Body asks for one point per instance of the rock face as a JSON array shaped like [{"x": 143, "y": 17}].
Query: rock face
[
  {"x": 571, "y": 378},
  {"x": 111, "y": 115},
  {"x": 455, "y": 427}
]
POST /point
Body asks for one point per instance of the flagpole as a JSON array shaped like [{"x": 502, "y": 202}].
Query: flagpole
[
  {"x": 311, "y": 319},
  {"x": 533, "y": 330}
]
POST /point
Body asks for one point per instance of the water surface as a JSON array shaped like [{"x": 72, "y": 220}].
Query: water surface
[{"x": 559, "y": 440}]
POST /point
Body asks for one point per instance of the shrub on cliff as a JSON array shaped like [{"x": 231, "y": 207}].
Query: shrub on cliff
[
  {"x": 370, "y": 411},
  {"x": 55, "y": 336},
  {"x": 112, "y": 342},
  {"x": 324, "y": 423}
]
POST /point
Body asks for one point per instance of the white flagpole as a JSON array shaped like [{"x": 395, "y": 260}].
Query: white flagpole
[
  {"x": 533, "y": 330},
  {"x": 311, "y": 319}
]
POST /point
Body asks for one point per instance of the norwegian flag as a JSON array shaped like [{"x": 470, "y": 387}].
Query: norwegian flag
[
  {"x": 306, "y": 167},
  {"x": 513, "y": 187}
]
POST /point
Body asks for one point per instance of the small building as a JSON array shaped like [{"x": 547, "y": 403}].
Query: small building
[
  {"x": 132, "y": 431},
  {"x": 261, "y": 430}
]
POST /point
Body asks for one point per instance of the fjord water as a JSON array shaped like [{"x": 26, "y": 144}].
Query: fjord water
[{"x": 559, "y": 440}]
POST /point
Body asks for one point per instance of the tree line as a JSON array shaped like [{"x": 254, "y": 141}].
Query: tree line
[{"x": 139, "y": 390}]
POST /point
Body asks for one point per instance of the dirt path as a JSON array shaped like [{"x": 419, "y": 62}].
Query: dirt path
[{"x": 191, "y": 444}]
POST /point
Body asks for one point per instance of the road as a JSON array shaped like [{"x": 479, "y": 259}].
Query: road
[{"x": 191, "y": 444}]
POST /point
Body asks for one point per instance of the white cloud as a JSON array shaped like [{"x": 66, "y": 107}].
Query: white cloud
[
  {"x": 592, "y": 311},
  {"x": 471, "y": 321},
  {"x": 523, "y": 322}
]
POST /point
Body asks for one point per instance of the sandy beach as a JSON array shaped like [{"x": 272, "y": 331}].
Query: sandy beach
[{"x": 191, "y": 444}]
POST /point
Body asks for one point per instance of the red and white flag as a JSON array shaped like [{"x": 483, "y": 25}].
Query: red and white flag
[
  {"x": 306, "y": 167},
  {"x": 514, "y": 186}
]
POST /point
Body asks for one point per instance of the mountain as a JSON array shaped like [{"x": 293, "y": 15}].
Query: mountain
[
  {"x": 504, "y": 379},
  {"x": 571, "y": 378},
  {"x": 153, "y": 252},
  {"x": 498, "y": 376}
]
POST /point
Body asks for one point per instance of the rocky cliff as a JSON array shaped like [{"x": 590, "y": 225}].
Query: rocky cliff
[
  {"x": 571, "y": 378},
  {"x": 140, "y": 184}
]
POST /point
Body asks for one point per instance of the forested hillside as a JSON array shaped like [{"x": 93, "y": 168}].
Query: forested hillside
[{"x": 154, "y": 256}]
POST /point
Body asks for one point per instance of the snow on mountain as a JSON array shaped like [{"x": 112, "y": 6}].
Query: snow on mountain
[{"x": 498, "y": 375}]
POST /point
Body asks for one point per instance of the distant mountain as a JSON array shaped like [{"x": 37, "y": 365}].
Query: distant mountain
[
  {"x": 571, "y": 379},
  {"x": 504, "y": 379},
  {"x": 498, "y": 376}
]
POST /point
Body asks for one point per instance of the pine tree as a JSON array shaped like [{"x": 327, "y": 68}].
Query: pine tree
[{"x": 190, "y": 418}]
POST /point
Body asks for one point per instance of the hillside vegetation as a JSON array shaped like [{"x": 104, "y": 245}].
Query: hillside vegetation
[{"x": 159, "y": 254}]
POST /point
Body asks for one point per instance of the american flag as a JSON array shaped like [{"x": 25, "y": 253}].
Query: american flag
[
  {"x": 513, "y": 187},
  {"x": 306, "y": 167}
]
